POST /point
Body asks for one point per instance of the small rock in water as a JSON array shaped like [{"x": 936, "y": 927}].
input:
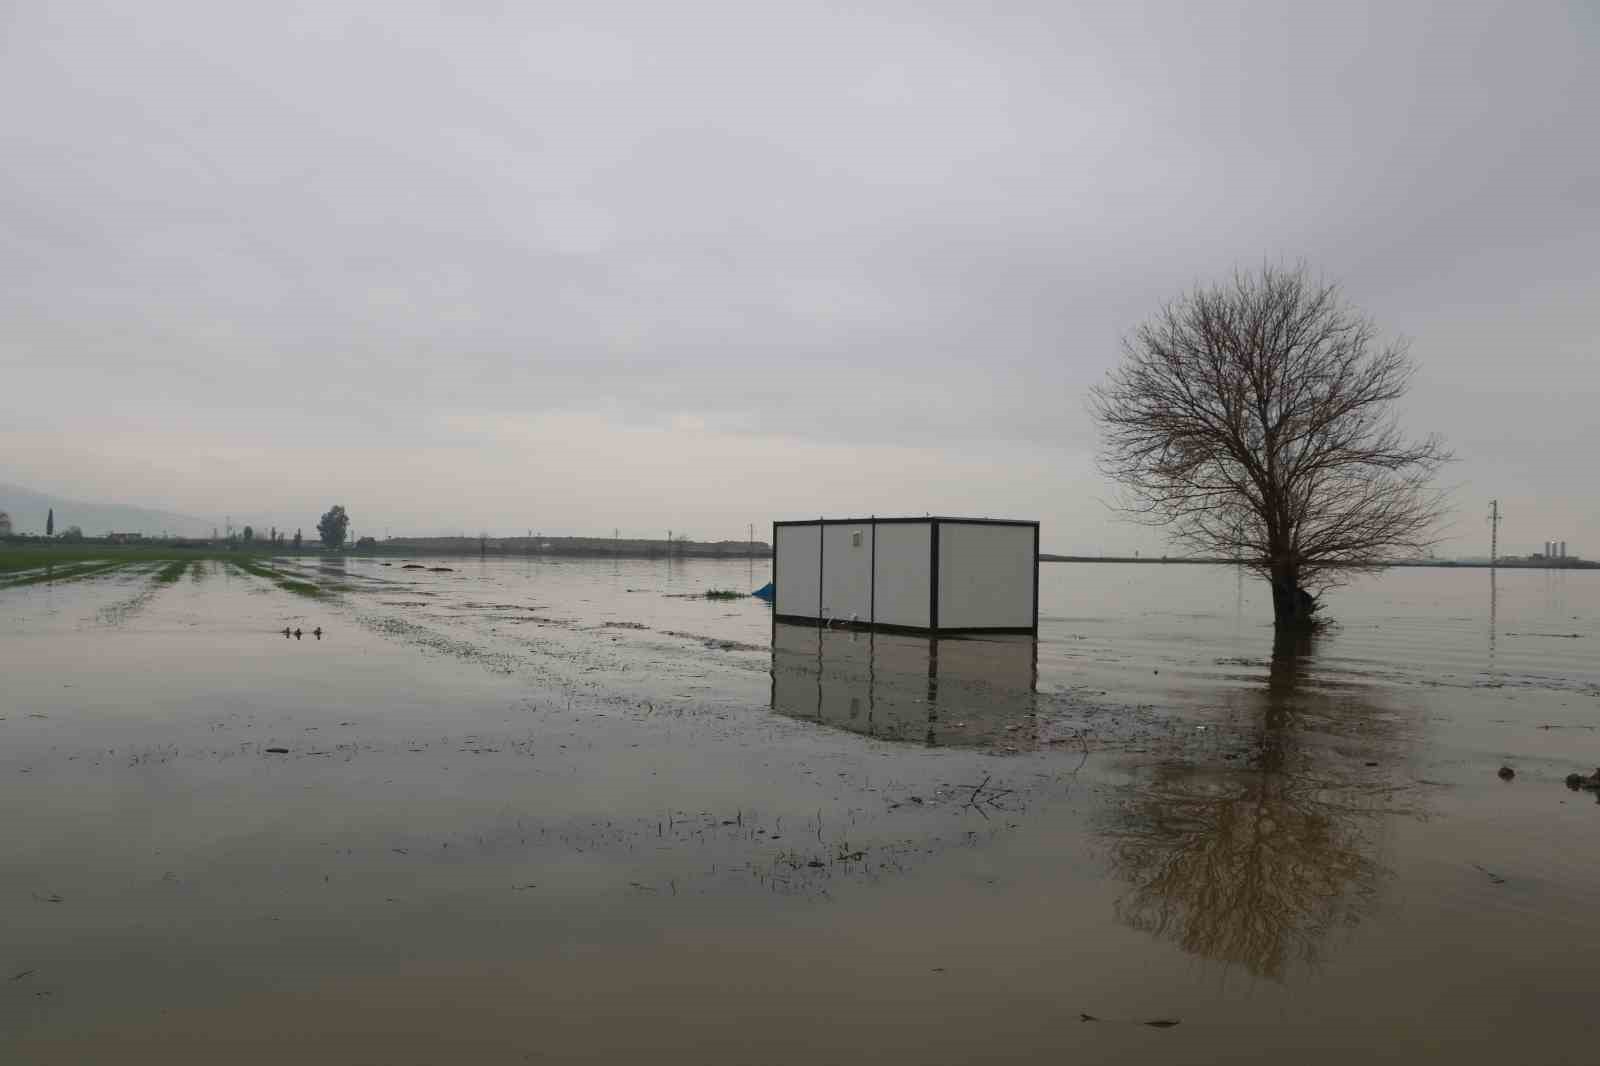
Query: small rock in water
[
  {"x": 1507, "y": 773},
  {"x": 1577, "y": 781}
]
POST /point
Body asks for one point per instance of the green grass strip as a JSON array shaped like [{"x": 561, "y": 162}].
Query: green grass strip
[
  {"x": 283, "y": 581},
  {"x": 57, "y": 575},
  {"x": 173, "y": 571}
]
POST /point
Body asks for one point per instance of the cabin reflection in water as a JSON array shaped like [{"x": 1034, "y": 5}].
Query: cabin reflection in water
[{"x": 943, "y": 691}]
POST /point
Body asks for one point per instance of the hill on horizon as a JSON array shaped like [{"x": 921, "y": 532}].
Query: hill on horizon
[{"x": 29, "y": 509}]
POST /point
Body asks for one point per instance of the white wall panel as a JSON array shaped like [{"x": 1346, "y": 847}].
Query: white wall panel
[
  {"x": 847, "y": 572},
  {"x": 985, "y": 576},
  {"x": 903, "y": 577},
  {"x": 795, "y": 551}
]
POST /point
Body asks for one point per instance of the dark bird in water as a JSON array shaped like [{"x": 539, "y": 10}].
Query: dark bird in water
[
  {"x": 317, "y": 632},
  {"x": 297, "y": 634},
  {"x": 285, "y": 632}
]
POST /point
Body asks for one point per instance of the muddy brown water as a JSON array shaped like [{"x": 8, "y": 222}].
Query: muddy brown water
[{"x": 559, "y": 811}]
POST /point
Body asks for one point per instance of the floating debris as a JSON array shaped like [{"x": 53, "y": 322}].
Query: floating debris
[
  {"x": 1494, "y": 878},
  {"x": 1154, "y": 1023},
  {"x": 1577, "y": 781}
]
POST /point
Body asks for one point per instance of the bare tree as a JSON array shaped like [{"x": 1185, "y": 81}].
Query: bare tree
[{"x": 1255, "y": 420}]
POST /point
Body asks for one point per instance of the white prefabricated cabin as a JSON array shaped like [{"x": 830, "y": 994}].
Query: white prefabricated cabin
[{"x": 931, "y": 574}]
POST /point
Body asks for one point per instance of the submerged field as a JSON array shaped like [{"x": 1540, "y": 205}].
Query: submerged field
[{"x": 523, "y": 810}]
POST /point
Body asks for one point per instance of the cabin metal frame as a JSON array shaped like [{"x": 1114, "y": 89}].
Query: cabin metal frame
[{"x": 956, "y": 556}]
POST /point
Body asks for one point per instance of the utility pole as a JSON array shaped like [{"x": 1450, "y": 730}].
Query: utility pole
[{"x": 1494, "y": 532}]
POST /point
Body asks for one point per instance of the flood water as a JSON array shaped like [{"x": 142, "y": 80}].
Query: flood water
[{"x": 569, "y": 811}]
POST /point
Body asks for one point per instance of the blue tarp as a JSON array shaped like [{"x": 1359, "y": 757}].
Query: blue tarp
[{"x": 766, "y": 592}]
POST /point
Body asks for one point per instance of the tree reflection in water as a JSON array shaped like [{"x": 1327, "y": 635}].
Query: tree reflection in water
[{"x": 1256, "y": 866}]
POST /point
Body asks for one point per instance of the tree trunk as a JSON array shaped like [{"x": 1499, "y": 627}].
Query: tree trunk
[{"x": 1292, "y": 606}]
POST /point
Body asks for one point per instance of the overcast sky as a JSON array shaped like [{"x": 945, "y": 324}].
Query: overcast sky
[{"x": 574, "y": 267}]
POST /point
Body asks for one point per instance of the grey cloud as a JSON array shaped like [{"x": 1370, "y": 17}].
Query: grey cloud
[{"x": 919, "y": 226}]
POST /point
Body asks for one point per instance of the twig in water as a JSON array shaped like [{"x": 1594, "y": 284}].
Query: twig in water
[
  {"x": 1494, "y": 878},
  {"x": 1154, "y": 1023}
]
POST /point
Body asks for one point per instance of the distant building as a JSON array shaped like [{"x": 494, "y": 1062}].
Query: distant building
[
  {"x": 123, "y": 538},
  {"x": 5, "y": 524}
]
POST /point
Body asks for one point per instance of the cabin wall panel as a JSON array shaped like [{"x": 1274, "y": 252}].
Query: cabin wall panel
[
  {"x": 986, "y": 576},
  {"x": 795, "y": 558}
]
